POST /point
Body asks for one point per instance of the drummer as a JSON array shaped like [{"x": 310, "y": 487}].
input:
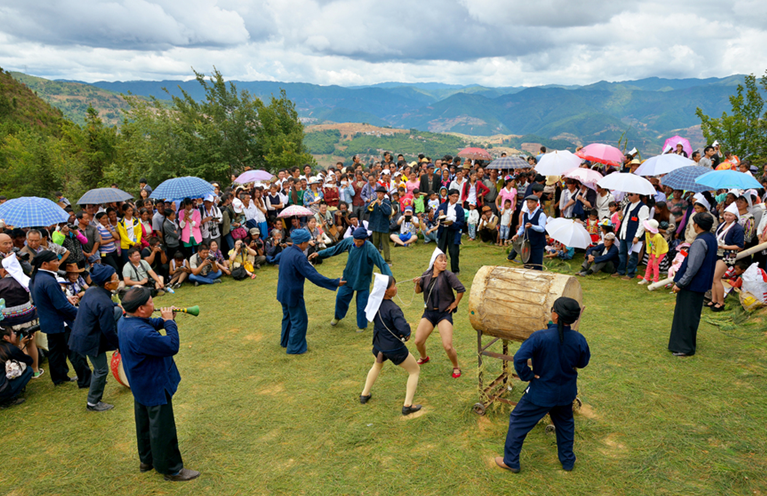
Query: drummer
[
  {"x": 390, "y": 331},
  {"x": 534, "y": 227},
  {"x": 437, "y": 285},
  {"x": 556, "y": 352},
  {"x": 94, "y": 331}
]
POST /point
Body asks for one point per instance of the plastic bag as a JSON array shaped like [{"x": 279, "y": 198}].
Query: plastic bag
[
  {"x": 754, "y": 282},
  {"x": 749, "y": 302}
]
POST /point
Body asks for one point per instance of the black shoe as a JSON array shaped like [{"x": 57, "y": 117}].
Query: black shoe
[
  {"x": 679, "y": 354},
  {"x": 144, "y": 467},
  {"x": 184, "y": 474},
  {"x": 407, "y": 410},
  {"x": 99, "y": 407},
  {"x": 570, "y": 469},
  {"x": 365, "y": 399},
  {"x": 8, "y": 404}
]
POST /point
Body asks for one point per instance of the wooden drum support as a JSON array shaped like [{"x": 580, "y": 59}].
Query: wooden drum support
[{"x": 509, "y": 304}]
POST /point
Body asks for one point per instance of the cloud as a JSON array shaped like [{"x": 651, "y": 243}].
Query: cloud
[{"x": 355, "y": 42}]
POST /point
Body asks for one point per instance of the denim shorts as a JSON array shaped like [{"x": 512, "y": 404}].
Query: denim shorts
[{"x": 505, "y": 232}]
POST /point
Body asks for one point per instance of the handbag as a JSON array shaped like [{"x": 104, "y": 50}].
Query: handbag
[
  {"x": 239, "y": 233},
  {"x": 14, "y": 369},
  {"x": 239, "y": 273}
]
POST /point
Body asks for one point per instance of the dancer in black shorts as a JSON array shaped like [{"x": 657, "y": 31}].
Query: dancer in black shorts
[
  {"x": 390, "y": 331},
  {"x": 437, "y": 285}
]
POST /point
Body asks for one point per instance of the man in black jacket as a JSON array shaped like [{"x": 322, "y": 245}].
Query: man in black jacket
[{"x": 601, "y": 257}]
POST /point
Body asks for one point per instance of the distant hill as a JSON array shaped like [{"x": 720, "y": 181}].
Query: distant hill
[
  {"x": 645, "y": 111},
  {"x": 20, "y": 106},
  {"x": 73, "y": 98}
]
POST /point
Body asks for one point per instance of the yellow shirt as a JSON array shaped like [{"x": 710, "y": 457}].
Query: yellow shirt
[{"x": 656, "y": 244}]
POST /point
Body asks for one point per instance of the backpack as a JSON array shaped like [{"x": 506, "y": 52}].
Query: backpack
[{"x": 239, "y": 273}]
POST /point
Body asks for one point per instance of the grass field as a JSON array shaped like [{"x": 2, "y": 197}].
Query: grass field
[{"x": 254, "y": 420}]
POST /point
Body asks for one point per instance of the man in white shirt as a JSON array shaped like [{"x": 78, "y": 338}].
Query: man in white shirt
[
  {"x": 354, "y": 223},
  {"x": 631, "y": 232},
  {"x": 457, "y": 183}
]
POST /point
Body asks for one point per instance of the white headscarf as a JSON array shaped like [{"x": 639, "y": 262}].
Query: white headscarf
[
  {"x": 437, "y": 252},
  {"x": 376, "y": 296},
  {"x": 11, "y": 264},
  {"x": 733, "y": 209},
  {"x": 699, "y": 198}
]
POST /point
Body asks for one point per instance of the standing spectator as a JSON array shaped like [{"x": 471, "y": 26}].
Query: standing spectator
[
  {"x": 211, "y": 219},
  {"x": 358, "y": 202},
  {"x": 91, "y": 234},
  {"x": 143, "y": 184},
  {"x": 129, "y": 230},
  {"x": 55, "y": 309},
  {"x": 706, "y": 161},
  {"x": 94, "y": 331},
  {"x": 189, "y": 222},
  {"x": 452, "y": 219},
  {"x": 171, "y": 234},
  {"x": 629, "y": 235},
  {"x": 380, "y": 209},
  {"x": 108, "y": 245}
]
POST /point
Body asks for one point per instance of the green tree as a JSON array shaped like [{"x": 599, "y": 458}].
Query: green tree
[
  {"x": 280, "y": 135},
  {"x": 744, "y": 131}
]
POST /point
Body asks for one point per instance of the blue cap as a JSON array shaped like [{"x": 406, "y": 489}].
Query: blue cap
[
  {"x": 360, "y": 233},
  {"x": 300, "y": 236},
  {"x": 101, "y": 274}
]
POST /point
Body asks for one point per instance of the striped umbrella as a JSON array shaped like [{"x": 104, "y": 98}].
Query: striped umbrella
[
  {"x": 684, "y": 178},
  {"x": 179, "y": 188},
  {"x": 508, "y": 163},
  {"x": 31, "y": 211},
  {"x": 100, "y": 196}
]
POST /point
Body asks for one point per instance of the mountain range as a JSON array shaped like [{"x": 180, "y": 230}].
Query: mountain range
[{"x": 645, "y": 111}]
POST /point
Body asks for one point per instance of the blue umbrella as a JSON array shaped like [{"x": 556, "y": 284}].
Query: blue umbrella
[
  {"x": 728, "y": 179},
  {"x": 31, "y": 211},
  {"x": 182, "y": 187},
  {"x": 684, "y": 178},
  {"x": 508, "y": 163},
  {"x": 99, "y": 196}
]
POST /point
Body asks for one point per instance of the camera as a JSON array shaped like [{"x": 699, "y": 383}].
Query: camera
[
  {"x": 212, "y": 258},
  {"x": 24, "y": 257},
  {"x": 73, "y": 227}
]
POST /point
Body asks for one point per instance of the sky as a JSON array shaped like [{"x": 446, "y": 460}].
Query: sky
[{"x": 360, "y": 42}]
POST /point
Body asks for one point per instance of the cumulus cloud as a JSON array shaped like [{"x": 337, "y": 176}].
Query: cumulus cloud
[{"x": 354, "y": 42}]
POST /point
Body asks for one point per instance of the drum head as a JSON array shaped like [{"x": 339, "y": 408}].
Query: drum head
[{"x": 524, "y": 252}]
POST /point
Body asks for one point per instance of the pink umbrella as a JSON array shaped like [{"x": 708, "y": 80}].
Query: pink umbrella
[
  {"x": 475, "y": 154},
  {"x": 585, "y": 176},
  {"x": 674, "y": 140},
  {"x": 295, "y": 210},
  {"x": 604, "y": 154},
  {"x": 253, "y": 176}
]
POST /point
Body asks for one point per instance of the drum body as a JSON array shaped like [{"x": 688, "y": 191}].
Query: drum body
[
  {"x": 116, "y": 365},
  {"x": 513, "y": 303}
]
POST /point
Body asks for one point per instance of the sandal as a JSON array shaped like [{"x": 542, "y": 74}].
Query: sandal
[
  {"x": 717, "y": 308},
  {"x": 456, "y": 376},
  {"x": 710, "y": 304},
  {"x": 252, "y": 276},
  {"x": 421, "y": 361}
]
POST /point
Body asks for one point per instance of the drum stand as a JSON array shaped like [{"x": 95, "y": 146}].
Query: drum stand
[{"x": 502, "y": 383}]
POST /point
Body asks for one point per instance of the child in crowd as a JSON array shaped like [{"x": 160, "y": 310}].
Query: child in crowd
[
  {"x": 433, "y": 200},
  {"x": 179, "y": 270},
  {"x": 615, "y": 215},
  {"x": 442, "y": 195},
  {"x": 504, "y": 231},
  {"x": 592, "y": 226},
  {"x": 605, "y": 226},
  {"x": 558, "y": 250},
  {"x": 656, "y": 246},
  {"x": 472, "y": 219}
]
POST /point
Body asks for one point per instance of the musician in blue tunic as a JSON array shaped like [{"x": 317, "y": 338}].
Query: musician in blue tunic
[
  {"x": 294, "y": 269},
  {"x": 534, "y": 224},
  {"x": 363, "y": 256},
  {"x": 556, "y": 352}
]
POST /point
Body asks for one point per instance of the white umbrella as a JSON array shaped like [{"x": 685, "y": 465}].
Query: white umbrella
[
  {"x": 557, "y": 163},
  {"x": 585, "y": 176},
  {"x": 569, "y": 232},
  {"x": 627, "y": 183},
  {"x": 663, "y": 164}
]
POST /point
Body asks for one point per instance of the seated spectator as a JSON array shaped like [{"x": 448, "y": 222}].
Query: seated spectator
[
  {"x": 407, "y": 230},
  {"x": 602, "y": 257},
  {"x": 178, "y": 269},
  {"x": 257, "y": 244},
  {"x": 138, "y": 272},
  {"x": 11, "y": 389},
  {"x": 222, "y": 262},
  {"x": 341, "y": 220},
  {"x": 325, "y": 224},
  {"x": 429, "y": 226},
  {"x": 243, "y": 256},
  {"x": 205, "y": 269},
  {"x": 18, "y": 313},
  {"x": 559, "y": 250},
  {"x": 354, "y": 223},
  {"x": 74, "y": 283},
  {"x": 156, "y": 258},
  {"x": 274, "y": 246},
  {"x": 487, "y": 227}
]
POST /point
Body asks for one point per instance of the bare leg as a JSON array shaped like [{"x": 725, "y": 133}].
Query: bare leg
[
  {"x": 414, "y": 370},
  {"x": 446, "y": 333},
  {"x": 422, "y": 333},
  {"x": 717, "y": 289},
  {"x": 396, "y": 240},
  {"x": 31, "y": 351},
  {"x": 372, "y": 376}
]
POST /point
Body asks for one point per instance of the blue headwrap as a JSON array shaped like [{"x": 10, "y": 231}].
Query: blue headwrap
[
  {"x": 101, "y": 274},
  {"x": 300, "y": 236},
  {"x": 360, "y": 233}
]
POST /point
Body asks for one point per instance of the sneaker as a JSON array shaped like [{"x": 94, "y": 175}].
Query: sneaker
[
  {"x": 184, "y": 474},
  {"x": 8, "y": 404},
  {"x": 216, "y": 281},
  {"x": 99, "y": 407},
  {"x": 643, "y": 282},
  {"x": 581, "y": 273},
  {"x": 360, "y": 329},
  {"x": 334, "y": 322},
  {"x": 626, "y": 278},
  {"x": 38, "y": 374},
  {"x": 615, "y": 274},
  {"x": 196, "y": 284}
]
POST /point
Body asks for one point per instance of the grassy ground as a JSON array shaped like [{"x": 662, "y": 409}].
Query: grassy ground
[{"x": 256, "y": 421}]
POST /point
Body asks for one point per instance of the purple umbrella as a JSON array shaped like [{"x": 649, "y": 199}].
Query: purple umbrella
[
  {"x": 674, "y": 140},
  {"x": 252, "y": 176}
]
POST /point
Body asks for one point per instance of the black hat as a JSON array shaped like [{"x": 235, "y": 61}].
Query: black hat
[{"x": 380, "y": 189}]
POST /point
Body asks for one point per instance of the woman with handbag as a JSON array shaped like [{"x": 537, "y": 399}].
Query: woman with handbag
[
  {"x": 731, "y": 239},
  {"x": 16, "y": 371}
]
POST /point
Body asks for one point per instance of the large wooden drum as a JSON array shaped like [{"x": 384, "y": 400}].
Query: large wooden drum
[{"x": 512, "y": 303}]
